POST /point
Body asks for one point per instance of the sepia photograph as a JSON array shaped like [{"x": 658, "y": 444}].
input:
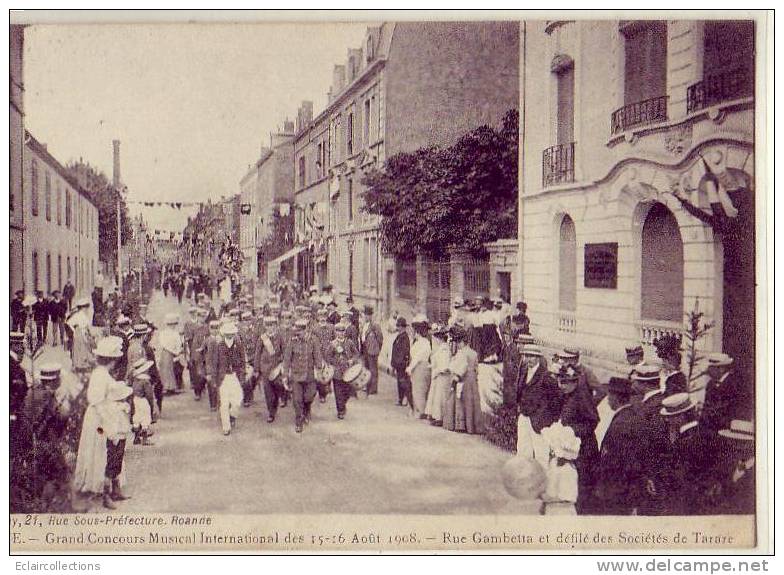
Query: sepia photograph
[{"x": 289, "y": 282}]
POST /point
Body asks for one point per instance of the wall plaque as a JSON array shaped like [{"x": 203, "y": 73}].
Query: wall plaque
[{"x": 601, "y": 265}]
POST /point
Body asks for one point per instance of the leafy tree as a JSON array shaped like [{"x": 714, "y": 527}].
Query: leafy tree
[
  {"x": 101, "y": 191},
  {"x": 464, "y": 195}
]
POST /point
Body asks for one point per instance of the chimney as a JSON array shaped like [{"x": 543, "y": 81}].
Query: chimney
[
  {"x": 116, "y": 179},
  {"x": 354, "y": 63},
  {"x": 338, "y": 79},
  {"x": 304, "y": 116}
]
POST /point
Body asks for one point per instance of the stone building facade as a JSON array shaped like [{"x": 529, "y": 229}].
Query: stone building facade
[
  {"x": 411, "y": 84},
  {"x": 266, "y": 186},
  {"x": 619, "y": 117},
  {"x": 61, "y": 225},
  {"x": 16, "y": 152}
]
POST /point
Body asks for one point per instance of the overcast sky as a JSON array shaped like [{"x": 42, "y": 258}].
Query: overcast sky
[{"x": 191, "y": 104}]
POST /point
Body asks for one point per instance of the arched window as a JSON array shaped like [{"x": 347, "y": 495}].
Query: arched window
[
  {"x": 661, "y": 283},
  {"x": 567, "y": 266}
]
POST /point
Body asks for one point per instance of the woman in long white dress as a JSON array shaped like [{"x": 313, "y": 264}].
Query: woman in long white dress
[
  {"x": 170, "y": 342},
  {"x": 90, "y": 473},
  {"x": 439, "y": 376},
  {"x": 419, "y": 366}
]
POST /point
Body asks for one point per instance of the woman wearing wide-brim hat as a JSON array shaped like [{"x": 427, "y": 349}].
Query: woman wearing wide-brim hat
[{"x": 92, "y": 475}]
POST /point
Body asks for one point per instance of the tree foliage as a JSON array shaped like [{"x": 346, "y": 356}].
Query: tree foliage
[
  {"x": 101, "y": 191},
  {"x": 463, "y": 196}
]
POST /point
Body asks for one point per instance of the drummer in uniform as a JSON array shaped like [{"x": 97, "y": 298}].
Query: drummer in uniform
[
  {"x": 324, "y": 332},
  {"x": 341, "y": 354}
]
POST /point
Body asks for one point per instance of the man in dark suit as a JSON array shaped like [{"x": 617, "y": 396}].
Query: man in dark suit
[
  {"x": 228, "y": 371},
  {"x": 721, "y": 393},
  {"x": 57, "y": 310},
  {"x": 371, "y": 339},
  {"x": 41, "y": 318},
  {"x": 736, "y": 471},
  {"x": 401, "y": 355},
  {"x": 691, "y": 459},
  {"x": 653, "y": 446},
  {"x": 69, "y": 291},
  {"x": 539, "y": 403},
  {"x": 18, "y": 312},
  {"x": 617, "y": 475},
  {"x": 513, "y": 363}
]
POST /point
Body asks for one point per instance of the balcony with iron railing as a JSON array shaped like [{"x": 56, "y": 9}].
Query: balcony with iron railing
[
  {"x": 717, "y": 88},
  {"x": 639, "y": 114},
  {"x": 558, "y": 164}
]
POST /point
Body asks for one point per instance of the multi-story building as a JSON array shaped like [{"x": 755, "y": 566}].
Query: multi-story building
[
  {"x": 16, "y": 152},
  {"x": 411, "y": 84},
  {"x": 231, "y": 207},
  {"x": 268, "y": 185},
  {"x": 61, "y": 225},
  {"x": 620, "y": 117}
]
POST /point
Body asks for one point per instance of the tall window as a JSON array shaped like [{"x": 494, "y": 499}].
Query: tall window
[
  {"x": 661, "y": 282},
  {"x": 373, "y": 263},
  {"x": 48, "y": 196},
  {"x": 34, "y": 187},
  {"x": 59, "y": 271},
  {"x": 36, "y": 277},
  {"x": 369, "y": 49},
  {"x": 728, "y": 47},
  {"x": 366, "y": 123},
  {"x": 59, "y": 205},
  {"x": 645, "y": 59},
  {"x": 67, "y": 208},
  {"x": 302, "y": 171},
  {"x": 366, "y": 262},
  {"x": 350, "y": 199},
  {"x": 48, "y": 273},
  {"x": 565, "y": 127},
  {"x": 567, "y": 266},
  {"x": 68, "y": 267},
  {"x": 350, "y": 134}
]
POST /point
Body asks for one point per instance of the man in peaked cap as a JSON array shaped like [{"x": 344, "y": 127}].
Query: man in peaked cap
[
  {"x": 269, "y": 351},
  {"x": 211, "y": 350},
  {"x": 635, "y": 355},
  {"x": 301, "y": 357},
  {"x": 247, "y": 334},
  {"x": 324, "y": 332},
  {"x": 18, "y": 376},
  {"x": 341, "y": 354},
  {"x": 197, "y": 354}
]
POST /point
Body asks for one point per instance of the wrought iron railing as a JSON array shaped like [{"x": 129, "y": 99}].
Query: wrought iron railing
[
  {"x": 558, "y": 164},
  {"x": 639, "y": 114},
  {"x": 717, "y": 88}
]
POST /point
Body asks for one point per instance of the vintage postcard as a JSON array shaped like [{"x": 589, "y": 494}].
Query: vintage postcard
[{"x": 366, "y": 282}]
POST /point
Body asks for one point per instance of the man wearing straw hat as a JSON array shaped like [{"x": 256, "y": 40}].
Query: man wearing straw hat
[
  {"x": 737, "y": 495},
  {"x": 211, "y": 346},
  {"x": 692, "y": 457},
  {"x": 539, "y": 405},
  {"x": 722, "y": 393},
  {"x": 229, "y": 374}
]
